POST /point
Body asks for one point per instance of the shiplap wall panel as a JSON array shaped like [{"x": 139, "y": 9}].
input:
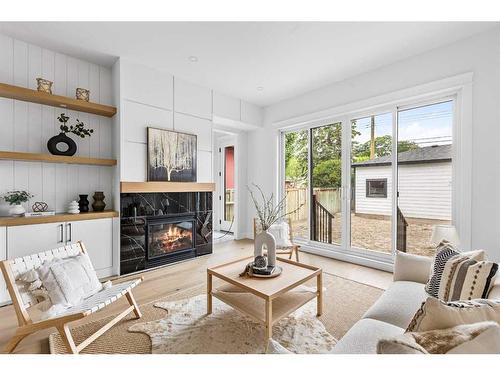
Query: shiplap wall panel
[{"x": 26, "y": 127}]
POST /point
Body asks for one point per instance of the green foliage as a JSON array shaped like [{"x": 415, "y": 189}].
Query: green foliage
[
  {"x": 78, "y": 129},
  {"x": 327, "y": 174},
  {"x": 17, "y": 197},
  {"x": 327, "y": 154}
]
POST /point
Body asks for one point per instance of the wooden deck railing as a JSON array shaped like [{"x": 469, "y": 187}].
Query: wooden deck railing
[
  {"x": 401, "y": 232},
  {"x": 322, "y": 222}
]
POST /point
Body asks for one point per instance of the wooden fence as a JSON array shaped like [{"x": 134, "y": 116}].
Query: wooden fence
[{"x": 329, "y": 199}]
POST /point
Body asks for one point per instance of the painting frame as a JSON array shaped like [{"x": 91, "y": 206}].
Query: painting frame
[{"x": 185, "y": 169}]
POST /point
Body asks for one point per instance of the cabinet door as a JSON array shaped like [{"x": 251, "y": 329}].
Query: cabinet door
[
  {"x": 4, "y": 295},
  {"x": 97, "y": 236},
  {"x": 31, "y": 239}
]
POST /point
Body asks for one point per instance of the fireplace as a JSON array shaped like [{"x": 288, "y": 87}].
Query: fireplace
[
  {"x": 169, "y": 236},
  {"x": 163, "y": 228}
]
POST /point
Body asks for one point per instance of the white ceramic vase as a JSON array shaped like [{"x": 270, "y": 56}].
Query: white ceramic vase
[
  {"x": 17, "y": 210},
  {"x": 267, "y": 239}
]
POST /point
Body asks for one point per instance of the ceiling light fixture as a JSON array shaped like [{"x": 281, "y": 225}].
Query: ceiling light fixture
[
  {"x": 260, "y": 88},
  {"x": 193, "y": 58}
]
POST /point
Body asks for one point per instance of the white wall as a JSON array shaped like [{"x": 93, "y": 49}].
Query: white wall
[
  {"x": 424, "y": 190},
  {"x": 150, "y": 97},
  {"x": 479, "y": 54},
  {"x": 26, "y": 127}
]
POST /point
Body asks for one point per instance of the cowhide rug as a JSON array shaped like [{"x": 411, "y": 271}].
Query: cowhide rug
[{"x": 186, "y": 329}]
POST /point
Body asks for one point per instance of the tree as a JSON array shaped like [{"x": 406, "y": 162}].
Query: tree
[{"x": 383, "y": 147}]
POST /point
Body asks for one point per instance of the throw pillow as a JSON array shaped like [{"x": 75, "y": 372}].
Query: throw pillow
[
  {"x": 436, "y": 314},
  {"x": 70, "y": 280},
  {"x": 460, "y": 276},
  {"x": 472, "y": 337},
  {"x": 281, "y": 233}
]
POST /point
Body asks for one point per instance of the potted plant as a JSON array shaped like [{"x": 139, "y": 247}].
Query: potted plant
[
  {"x": 69, "y": 146},
  {"x": 15, "y": 198}
]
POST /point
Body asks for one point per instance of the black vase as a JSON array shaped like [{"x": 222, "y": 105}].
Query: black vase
[
  {"x": 98, "y": 204},
  {"x": 83, "y": 203},
  {"x": 61, "y": 138}
]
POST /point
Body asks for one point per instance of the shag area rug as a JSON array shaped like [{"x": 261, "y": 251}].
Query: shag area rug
[
  {"x": 187, "y": 329},
  {"x": 345, "y": 302}
]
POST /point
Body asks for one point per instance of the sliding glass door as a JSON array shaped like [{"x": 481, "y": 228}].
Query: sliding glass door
[{"x": 372, "y": 183}]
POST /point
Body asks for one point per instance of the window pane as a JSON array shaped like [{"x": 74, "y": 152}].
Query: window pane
[
  {"x": 424, "y": 175},
  {"x": 371, "y": 181},
  {"x": 296, "y": 184},
  {"x": 327, "y": 182}
]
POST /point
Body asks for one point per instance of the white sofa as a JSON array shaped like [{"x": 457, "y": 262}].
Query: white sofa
[{"x": 393, "y": 311}]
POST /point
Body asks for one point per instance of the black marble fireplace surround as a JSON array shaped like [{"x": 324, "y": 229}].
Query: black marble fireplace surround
[{"x": 162, "y": 228}]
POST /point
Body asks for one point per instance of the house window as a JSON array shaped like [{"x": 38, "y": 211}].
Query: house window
[{"x": 376, "y": 188}]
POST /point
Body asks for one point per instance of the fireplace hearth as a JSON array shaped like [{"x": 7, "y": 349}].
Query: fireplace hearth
[{"x": 162, "y": 228}]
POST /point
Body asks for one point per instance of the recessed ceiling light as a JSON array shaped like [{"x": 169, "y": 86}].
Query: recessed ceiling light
[
  {"x": 260, "y": 88},
  {"x": 193, "y": 58}
]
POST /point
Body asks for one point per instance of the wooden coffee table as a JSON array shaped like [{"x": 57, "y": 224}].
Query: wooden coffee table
[{"x": 267, "y": 300}]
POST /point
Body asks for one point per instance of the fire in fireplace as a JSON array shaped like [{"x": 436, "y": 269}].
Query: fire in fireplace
[{"x": 167, "y": 238}]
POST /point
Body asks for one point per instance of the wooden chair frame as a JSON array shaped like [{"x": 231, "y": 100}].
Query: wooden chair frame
[
  {"x": 294, "y": 248},
  {"x": 27, "y": 326}
]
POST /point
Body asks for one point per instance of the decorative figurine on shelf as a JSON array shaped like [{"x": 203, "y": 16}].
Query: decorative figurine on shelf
[
  {"x": 68, "y": 147},
  {"x": 15, "y": 198},
  {"x": 83, "y": 203},
  {"x": 73, "y": 208},
  {"x": 98, "y": 204},
  {"x": 268, "y": 214},
  {"x": 40, "y": 207},
  {"x": 44, "y": 85},
  {"x": 82, "y": 94}
]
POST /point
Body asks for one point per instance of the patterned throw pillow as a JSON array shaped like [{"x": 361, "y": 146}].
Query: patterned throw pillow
[
  {"x": 436, "y": 314},
  {"x": 460, "y": 276}
]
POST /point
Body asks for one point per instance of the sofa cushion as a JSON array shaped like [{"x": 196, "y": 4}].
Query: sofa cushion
[
  {"x": 398, "y": 304},
  {"x": 436, "y": 314},
  {"x": 363, "y": 337}
]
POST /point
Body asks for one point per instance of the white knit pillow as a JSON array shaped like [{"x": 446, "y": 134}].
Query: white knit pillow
[
  {"x": 70, "y": 280},
  {"x": 281, "y": 233}
]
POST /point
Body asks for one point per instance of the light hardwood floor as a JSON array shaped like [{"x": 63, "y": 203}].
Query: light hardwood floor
[{"x": 170, "y": 279}]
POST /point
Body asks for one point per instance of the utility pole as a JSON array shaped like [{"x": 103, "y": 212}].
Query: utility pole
[{"x": 372, "y": 138}]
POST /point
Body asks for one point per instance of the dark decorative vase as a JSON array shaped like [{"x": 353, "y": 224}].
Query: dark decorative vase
[
  {"x": 83, "y": 203},
  {"x": 53, "y": 143},
  {"x": 98, "y": 204}
]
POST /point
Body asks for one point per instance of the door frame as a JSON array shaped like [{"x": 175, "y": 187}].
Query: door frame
[{"x": 220, "y": 145}]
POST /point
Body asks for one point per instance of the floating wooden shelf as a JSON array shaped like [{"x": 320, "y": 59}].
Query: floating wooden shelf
[
  {"x": 33, "y": 96},
  {"x": 16, "y": 221},
  {"x": 28, "y": 156},
  {"x": 166, "y": 187}
]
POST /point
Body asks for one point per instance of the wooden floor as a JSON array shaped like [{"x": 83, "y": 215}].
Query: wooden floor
[{"x": 173, "y": 278}]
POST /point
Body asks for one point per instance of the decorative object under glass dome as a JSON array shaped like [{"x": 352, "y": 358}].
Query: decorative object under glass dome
[
  {"x": 63, "y": 145},
  {"x": 15, "y": 199}
]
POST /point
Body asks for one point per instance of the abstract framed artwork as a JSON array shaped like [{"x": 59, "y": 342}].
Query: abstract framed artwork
[{"x": 171, "y": 156}]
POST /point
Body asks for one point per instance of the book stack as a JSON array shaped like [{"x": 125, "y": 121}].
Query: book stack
[{"x": 37, "y": 214}]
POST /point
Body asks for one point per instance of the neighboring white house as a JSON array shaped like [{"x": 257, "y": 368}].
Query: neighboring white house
[{"x": 425, "y": 177}]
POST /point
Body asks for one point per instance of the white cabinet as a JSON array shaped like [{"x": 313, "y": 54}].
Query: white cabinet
[
  {"x": 25, "y": 240},
  {"x": 227, "y": 107},
  {"x": 192, "y": 99},
  {"x": 97, "y": 235},
  {"x": 4, "y": 295}
]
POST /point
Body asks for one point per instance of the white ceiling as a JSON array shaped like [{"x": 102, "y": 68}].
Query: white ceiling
[{"x": 285, "y": 58}]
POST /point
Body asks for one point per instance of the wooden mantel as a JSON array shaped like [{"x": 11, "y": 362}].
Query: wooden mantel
[{"x": 165, "y": 187}]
